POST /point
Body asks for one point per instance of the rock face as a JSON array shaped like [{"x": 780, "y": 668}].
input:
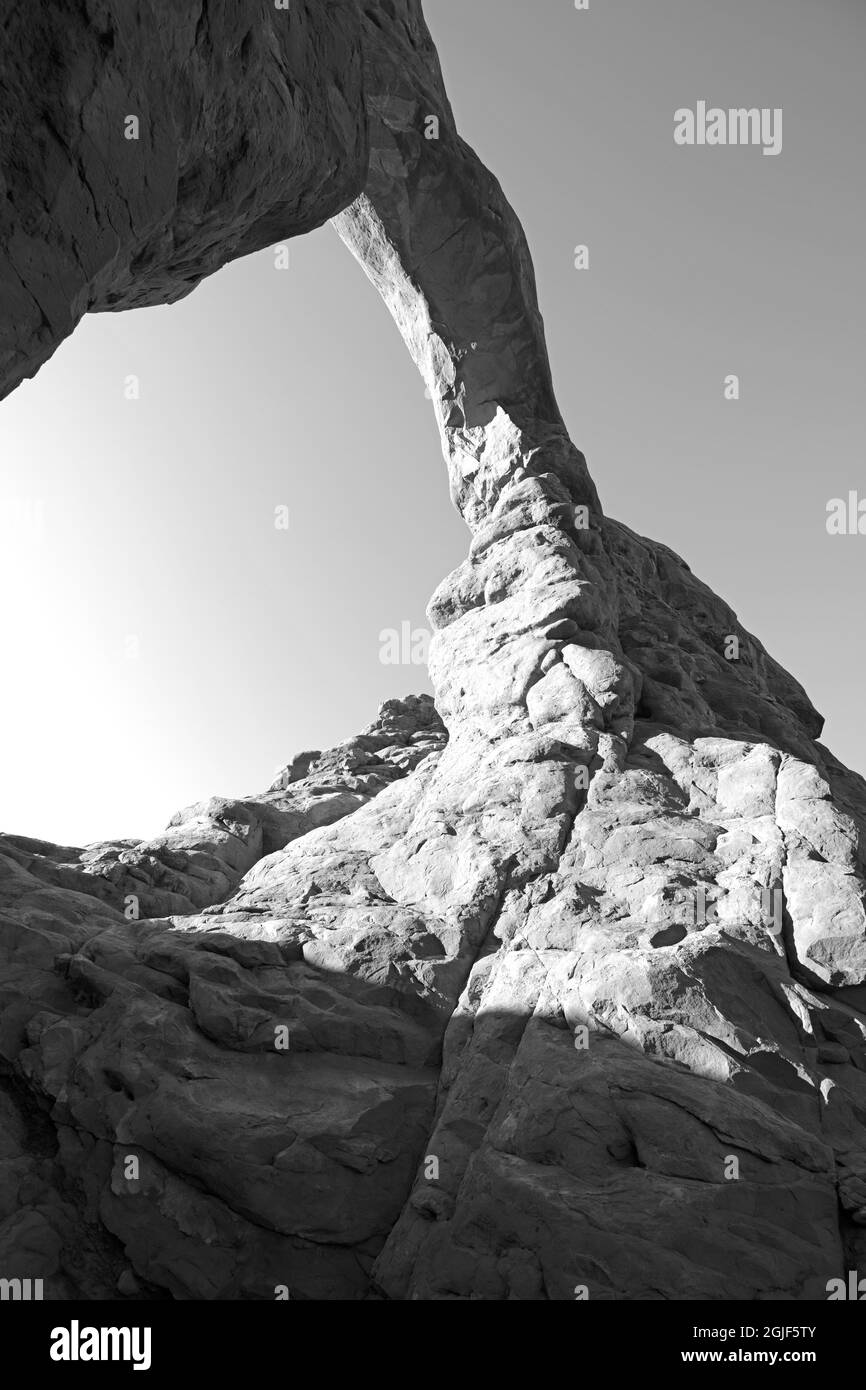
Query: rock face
[
  {"x": 194, "y": 1004},
  {"x": 143, "y": 146},
  {"x": 572, "y": 1001}
]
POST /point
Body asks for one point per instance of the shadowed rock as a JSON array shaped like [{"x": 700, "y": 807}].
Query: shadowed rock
[{"x": 143, "y": 146}]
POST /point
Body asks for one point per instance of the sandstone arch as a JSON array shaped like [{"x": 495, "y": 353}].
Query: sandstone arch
[{"x": 441, "y": 935}]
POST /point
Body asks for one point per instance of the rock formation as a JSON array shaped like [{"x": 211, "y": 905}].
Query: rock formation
[
  {"x": 143, "y": 146},
  {"x": 571, "y": 1001}
]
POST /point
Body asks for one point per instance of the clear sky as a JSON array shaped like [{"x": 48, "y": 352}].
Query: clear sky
[{"x": 165, "y": 642}]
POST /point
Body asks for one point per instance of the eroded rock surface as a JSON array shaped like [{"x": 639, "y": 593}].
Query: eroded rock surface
[
  {"x": 142, "y": 146},
  {"x": 100, "y": 1007},
  {"x": 572, "y": 1000}
]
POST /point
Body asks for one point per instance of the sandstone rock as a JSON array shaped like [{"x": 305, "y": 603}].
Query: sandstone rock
[
  {"x": 570, "y": 999},
  {"x": 143, "y": 147}
]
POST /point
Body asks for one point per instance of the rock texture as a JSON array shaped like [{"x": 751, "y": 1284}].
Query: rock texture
[
  {"x": 571, "y": 1003},
  {"x": 140, "y": 1004},
  {"x": 250, "y": 128}
]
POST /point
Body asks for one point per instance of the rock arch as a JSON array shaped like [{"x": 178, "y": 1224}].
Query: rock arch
[{"x": 608, "y": 934}]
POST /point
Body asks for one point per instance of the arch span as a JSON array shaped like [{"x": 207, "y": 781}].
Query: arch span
[{"x": 544, "y": 984}]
